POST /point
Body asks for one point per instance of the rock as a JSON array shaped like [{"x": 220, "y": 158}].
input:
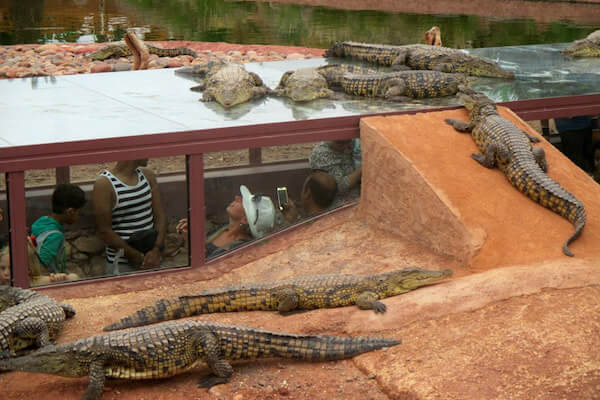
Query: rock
[
  {"x": 122, "y": 66},
  {"x": 96, "y": 266},
  {"x": 158, "y": 63},
  {"x": 46, "y": 47},
  {"x": 100, "y": 67},
  {"x": 90, "y": 244},
  {"x": 295, "y": 56},
  {"x": 238, "y": 396},
  {"x": 174, "y": 63},
  {"x": 283, "y": 391}
]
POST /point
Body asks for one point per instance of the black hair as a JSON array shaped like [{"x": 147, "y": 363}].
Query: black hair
[
  {"x": 322, "y": 193},
  {"x": 67, "y": 196}
]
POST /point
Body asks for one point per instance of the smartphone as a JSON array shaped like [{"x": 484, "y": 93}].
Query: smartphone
[{"x": 282, "y": 196}]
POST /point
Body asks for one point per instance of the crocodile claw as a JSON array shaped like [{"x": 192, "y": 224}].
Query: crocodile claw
[
  {"x": 379, "y": 307},
  {"x": 211, "y": 380}
]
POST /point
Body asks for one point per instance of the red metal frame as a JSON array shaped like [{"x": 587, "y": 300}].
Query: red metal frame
[{"x": 195, "y": 143}]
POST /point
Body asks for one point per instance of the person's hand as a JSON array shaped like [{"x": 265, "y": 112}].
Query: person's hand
[
  {"x": 290, "y": 212},
  {"x": 182, "y": 226},
  {"x": 151, "y": 258}
]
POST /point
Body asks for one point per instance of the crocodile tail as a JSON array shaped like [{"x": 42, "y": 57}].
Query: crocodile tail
[
  {"x": 205, "y": 302},
  {"x": 320, "y": 347},
  {"x": 578, "y": 220}
]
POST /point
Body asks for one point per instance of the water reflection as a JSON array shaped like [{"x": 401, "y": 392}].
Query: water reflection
[{"x": 38, "y": 21}]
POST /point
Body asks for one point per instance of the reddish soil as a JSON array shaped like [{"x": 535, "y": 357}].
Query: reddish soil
[{"x": 526, "y": 331}]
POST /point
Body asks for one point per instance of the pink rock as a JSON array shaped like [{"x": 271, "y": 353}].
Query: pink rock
[
  {"x": 174, "y": 63},
  {"x": 295, "y": 56},
  {"x": 100, "y": 67}
]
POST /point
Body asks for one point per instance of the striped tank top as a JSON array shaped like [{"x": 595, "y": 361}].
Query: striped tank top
[{"x": 132, "y": 211}]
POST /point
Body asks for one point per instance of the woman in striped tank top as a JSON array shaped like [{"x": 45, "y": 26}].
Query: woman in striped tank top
[{"x": 127, "y": 200}]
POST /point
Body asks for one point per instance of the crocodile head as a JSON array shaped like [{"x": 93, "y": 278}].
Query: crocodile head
[
  {"x": 305, "y": 84},
  {"x": 401, "y": 281},
  {"x": 476, "y": 103},
  {"x": 483, "y": 67},
  {"x": 48, "y": 360},
  {"x": 583, "y": 48},
  {"x": 336, "y": 50},
  {"x": 8, "y": 297}
]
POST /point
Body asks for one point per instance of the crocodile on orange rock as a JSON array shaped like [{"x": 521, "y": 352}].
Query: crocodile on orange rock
[{"x": 505, "y": 146}]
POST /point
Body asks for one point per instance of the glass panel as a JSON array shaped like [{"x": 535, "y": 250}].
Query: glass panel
[
  {"x": 67, "y": 241},
  {"x": 251, "y": 202},
  {"x": 223, "y": 159}
]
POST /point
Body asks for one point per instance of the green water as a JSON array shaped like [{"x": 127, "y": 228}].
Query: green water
[{"x": 39, "y": 21}]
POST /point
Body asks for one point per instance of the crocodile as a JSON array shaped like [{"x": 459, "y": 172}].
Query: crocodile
[
  {"x": 420, "y": 56},
  {"x": 171, "y": 348},
  {"x": 302, "y": 293},
  {"x": 228, "y": 84},
  {"x": 587, "y": 47},
  {"x": 504, "y": 145},
  {"x": 403, "y": 85},
  {"x": 28, "y": 319},
  {"x": 312, "y": 83},
  {"x": 120, "y": 49}
]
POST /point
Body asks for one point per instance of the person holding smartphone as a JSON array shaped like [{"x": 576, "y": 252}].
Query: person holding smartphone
[{"x": 318, "y": 191}]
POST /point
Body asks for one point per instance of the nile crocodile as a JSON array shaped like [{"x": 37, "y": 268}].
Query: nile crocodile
[
  {"x": 227, "y": 83},
  {"x": 303, "y": 293},
  {"x": 504, "y": 145},
  {"x": 312, "y": 83},
  {"x": 170, "y": 348},
  {"x": 403, "y": 85},
  {"x": 28, "y": 319},
  {"x": 420, "y": 56},
  {"x": 588, "y": 47},
  {"x": 120, "y": 49}
]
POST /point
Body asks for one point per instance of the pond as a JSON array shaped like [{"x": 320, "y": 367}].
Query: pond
[{"x": 44, "y": 21}]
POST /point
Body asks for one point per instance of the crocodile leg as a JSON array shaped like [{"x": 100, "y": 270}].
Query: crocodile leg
[
  {"x": 198, "y": 88},
  {"x": 395, "y": 90},
  {"x": 399, "y": 64},
  {"x": 222, "y": 370},
  {"x": 287, "y": 300},
  {"x": 370, "y": 301},
  {"x": 488, "y": 157},
  {"x": 540, "y": 158},
  {"x": 532, "y": 139},
  {"x": 69, "y": 311},
  {"x": 96, "y": 383},
  {"x": 207, "y": 95},
  {"x": 33, "y": 327},
  {"x": 257, "y": 79},
  {"x": 464, "y": 127}
]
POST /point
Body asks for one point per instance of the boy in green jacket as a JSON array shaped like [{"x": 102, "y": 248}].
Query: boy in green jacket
[{"x": 48, "y": 231}]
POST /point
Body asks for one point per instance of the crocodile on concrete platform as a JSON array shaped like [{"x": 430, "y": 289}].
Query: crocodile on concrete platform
[
  {"x": 28, "y": 319},
  {"x": 587, "y": 47},
  {"x": 302, "y": 293},
  {"x": 170, "y": 348},
  {"x": 403, "y": 85},
  {"x": 312, "y": 83},
  {"x": 228, "y": 84},
  {"x": 420, "y": 56},
  {"x": 504, "y": 145},
  {"x": 120, "y": 49}
]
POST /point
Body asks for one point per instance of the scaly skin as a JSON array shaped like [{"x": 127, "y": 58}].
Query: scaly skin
[
  {"x": 420, "y": 56},
  {"x": 28, "y": 319},
  {"x": 504, "y": 145},
  {"x": 228, "y": 84},
  {"x": 588, "y": 47},
  {"x": 120, "y": 49},
  {"x": 403, "y": 85},
  {"x": 171, "y": 348},
  {"x": 303, "y": 293},
  {"x": 307, "y": 84}
]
